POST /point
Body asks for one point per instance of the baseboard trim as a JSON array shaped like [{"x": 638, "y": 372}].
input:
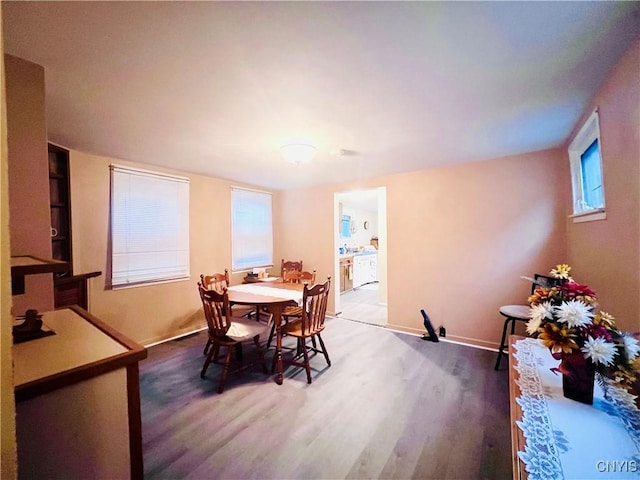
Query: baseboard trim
[
  {"x": 470, "y": 342},
  {"x": 175, "y": 336}
]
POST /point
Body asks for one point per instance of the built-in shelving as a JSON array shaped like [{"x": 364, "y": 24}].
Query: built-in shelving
[
  {"x": 60, "y": 204},
  {"x": 69, "y": 289}
]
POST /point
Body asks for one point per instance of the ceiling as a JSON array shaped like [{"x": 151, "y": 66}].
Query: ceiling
[{"x": 380, "y": 87}]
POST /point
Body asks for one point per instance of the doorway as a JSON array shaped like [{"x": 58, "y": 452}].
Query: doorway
[{"x": 361, "y": 255}]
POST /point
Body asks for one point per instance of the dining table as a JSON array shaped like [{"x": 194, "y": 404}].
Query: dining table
[{"x": 275, "y": 296}]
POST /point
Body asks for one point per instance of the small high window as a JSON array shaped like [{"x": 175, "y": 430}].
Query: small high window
[{"x": 586, "y": 172}]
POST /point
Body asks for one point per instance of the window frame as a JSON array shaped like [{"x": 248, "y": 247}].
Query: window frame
[
  {"x": 586, "y": 136},
  {"x": 236, "y": 264},
  {"x": 174, "y": 270}
]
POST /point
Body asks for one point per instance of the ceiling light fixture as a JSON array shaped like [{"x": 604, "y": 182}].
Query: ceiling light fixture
[{"x": 298, "y": 152}]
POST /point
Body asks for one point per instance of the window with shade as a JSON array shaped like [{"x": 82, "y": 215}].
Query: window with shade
[
  {"x": 585, "y": 156},
  {"x": 251, "y": 229},
  {"x": 149, "y": 227}
]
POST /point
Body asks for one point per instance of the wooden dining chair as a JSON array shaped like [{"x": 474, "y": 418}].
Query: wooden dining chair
[
  {"x": 289, "y": 266},
  {"x": 218, "y": 282},
  {"x": 299, "y": 276},
  {"x": 309, "y": 326},
  {"x": 293, "y": 276},
  {"x": 228, "y": 331}
]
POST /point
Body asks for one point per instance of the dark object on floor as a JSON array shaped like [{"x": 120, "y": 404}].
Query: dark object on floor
[
  {"x": 432, "y": 337},
  {"x": 31, "y": 328}
]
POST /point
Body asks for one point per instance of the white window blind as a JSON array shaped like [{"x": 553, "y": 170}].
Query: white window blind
[
  {"x": 251, "y": 229},
  {"x": 149, "y": 227}
]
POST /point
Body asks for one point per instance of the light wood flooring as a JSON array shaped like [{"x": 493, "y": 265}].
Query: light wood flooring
[
  {"x": 391, "y": 406},
  {"x": 362, "y": 305}
]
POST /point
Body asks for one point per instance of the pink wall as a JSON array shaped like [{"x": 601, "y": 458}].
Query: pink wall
[
  {"x": 29, "y": 214},
  {"x": 458, "y": 238},
  {"x": 606, "y": 253}
]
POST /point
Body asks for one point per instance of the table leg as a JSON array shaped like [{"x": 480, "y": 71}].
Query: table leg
[{"x": 277, "y": 318}]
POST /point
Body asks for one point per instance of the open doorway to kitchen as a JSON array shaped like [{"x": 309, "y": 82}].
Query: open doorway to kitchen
[{"x": 361, "y": 255}]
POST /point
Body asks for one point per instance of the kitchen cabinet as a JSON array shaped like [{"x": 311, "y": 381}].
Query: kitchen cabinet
[
  {"x": 346, "y": 274},
  {"x": 365, "y": 268}
]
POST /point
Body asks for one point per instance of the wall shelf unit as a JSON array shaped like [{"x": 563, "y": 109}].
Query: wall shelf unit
[{"x": 68, "y": 289}]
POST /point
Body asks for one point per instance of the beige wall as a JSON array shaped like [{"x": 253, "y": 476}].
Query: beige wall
[
  {"x": 458, "y": 238},
  {"x": 151, "y": 313},
  {"x": 8, "y": 459},
  {"x": 606, "y": 254},
  {"x": 305, "y": 229},
  {"x": 30, "y": 218}
]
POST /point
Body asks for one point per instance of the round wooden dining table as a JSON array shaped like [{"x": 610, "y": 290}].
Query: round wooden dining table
[{"x": 250, "y": 294}]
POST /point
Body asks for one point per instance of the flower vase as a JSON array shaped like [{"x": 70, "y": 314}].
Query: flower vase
[{"x": 578, "y": 375}]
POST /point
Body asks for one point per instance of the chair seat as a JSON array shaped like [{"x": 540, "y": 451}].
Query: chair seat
[
  {"x": 519, "y": 312},
  {"x": 242, "y": 329},
  {"x": 292, "y": 311},
  {"x": 295, "y": 329}
]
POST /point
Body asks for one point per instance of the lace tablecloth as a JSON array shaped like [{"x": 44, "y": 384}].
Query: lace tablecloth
[{"x": 565, "y": 439}]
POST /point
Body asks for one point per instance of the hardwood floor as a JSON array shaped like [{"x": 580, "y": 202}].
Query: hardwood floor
[
  {"x": 390, "y": 406},
  {"x": 362, "y": 305}
]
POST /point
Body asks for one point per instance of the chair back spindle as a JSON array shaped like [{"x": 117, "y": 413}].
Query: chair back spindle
[
  {"x": 314, "y": 300},
  {"x": 216, "y": 281},
  {"x": 215, "y": 305}
]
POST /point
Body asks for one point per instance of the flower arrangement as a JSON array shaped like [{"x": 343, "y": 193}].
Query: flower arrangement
[{"x": 566, "y": 318}]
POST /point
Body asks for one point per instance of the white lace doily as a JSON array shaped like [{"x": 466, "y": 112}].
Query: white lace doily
[{"x": 565, "y": 439}]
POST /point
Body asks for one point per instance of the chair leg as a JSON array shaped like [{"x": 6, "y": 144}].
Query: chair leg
[
  {"x": 324, "y": 350},
  {"x": 206, "y": 347},
  {"x": 216, "y": 353},
  {"x": 273, "y": 362},
  {"x": 273, "y": 331},
  {"x": 263, "y": 362},
  {"x": 207, "y": 361},
  {"x": 503, "y": 340},
  {"x": 307, "y": 367},
  {"x": 225, "y": 370}
]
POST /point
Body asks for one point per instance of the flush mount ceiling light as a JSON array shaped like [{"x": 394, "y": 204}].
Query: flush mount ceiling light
[{"x": 298, "y": 152}]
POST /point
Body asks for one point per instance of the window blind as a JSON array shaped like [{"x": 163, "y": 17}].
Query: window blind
[
  {"x": 251, "y": 229},
  {"x": 149, "y": 227}
]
